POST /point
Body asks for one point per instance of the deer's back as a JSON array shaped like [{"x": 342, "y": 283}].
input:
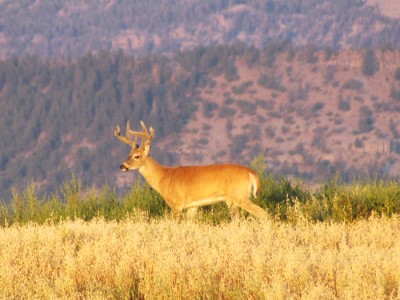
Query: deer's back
[{"x": 207, "y": 181}]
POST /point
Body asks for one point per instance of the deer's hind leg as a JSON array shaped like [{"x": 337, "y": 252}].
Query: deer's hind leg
[{"x": 252, "y": 208}]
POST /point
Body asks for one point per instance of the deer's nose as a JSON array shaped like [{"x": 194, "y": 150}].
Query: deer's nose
[{"x": 123, "y": 167}]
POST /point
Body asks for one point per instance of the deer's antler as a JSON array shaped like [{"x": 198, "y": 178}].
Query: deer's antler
[
  {"x": 146, "y": 137},
  {"x": 126, "y": 139}
]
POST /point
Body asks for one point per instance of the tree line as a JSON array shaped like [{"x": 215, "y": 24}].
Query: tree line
[{"x": 54, "y": 28}]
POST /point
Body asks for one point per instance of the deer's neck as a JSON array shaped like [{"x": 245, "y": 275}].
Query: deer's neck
[{"x": 153, "y": 172}]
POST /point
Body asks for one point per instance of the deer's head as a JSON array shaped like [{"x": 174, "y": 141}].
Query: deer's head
[{"x": 138, "y": 154}]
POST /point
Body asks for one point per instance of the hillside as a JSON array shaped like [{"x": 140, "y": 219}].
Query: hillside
[
  {"x": 389, "y": 8},
  {"x": 309, "y": 113},
  {"x": 54, "y": 28}
]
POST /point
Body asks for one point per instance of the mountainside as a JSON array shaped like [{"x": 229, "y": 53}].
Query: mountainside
[
  {"x": 55, "y": 28},
  {"x": 310, "y": 113}
]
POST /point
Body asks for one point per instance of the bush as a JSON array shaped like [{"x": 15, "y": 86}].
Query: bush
[
  {"x": 241, "y": 89},
  {"x": 247, "y": 107},
  {"x": 226, "y": 112},
  {"x": 353, "y": 84},
  {"x": 366, "y": 120},
  {"x": 395, "y": 94},
  {"x": 359, "y": 200},
  {"x": 209, "y": 108},
  {"x": 397, "y": 74},
  {"x": 370, "y": 63},
  {"x": 344, "y": 105},
  {"x": 318, "y": 106},
  {"x": 269, "y": 81}
]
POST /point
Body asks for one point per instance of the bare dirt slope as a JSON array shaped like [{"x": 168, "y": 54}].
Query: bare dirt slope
[{"x": 390, "y": 8}]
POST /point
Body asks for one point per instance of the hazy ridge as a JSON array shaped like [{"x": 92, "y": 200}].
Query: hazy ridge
[{"x": 69, "y": 29}]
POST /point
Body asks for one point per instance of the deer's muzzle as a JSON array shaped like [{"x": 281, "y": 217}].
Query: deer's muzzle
[{"x": 124, "y": 167}]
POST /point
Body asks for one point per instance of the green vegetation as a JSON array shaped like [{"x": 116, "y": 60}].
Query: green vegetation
[
  {"x": 72, "y": 202},
  {"x": 285, "y": 200}
]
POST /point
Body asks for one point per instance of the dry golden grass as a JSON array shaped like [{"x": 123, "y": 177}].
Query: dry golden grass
[{"x": 185, "y": 260}]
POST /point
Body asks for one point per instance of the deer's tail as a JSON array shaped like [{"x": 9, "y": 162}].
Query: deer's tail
[{"x": 254, "y": 183}]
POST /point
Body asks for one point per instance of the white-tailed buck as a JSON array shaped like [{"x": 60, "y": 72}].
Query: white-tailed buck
[{"x": 192, "y": 186}]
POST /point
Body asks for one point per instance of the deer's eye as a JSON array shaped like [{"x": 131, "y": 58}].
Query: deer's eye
[{"x": 136, "y": 157}]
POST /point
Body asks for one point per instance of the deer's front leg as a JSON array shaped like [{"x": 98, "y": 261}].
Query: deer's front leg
[
  {"x": 191, "y": 213},
  {"x": 233, "y": 211}
]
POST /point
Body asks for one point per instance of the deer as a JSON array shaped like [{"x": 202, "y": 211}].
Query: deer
[{"x": 189, "y": 187}]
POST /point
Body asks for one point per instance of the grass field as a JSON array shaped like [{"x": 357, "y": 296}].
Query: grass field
[
  {"x": 340, "y": 241},
  {"x": 138, "y": 258}
]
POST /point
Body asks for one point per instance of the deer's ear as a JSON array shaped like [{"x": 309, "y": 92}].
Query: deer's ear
[{"x": 146, "y": 149}]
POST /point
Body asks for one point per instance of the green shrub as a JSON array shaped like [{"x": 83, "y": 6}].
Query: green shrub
[
  {"x": 285, "y": 199},
  {"x": 143, "y": 197}
]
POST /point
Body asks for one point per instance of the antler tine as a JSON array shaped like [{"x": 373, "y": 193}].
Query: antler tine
[
  {"x": 128, "y": 134},
  {"x": 126, "y": 139},
  {"x": 137, "y": 133},
  {"x": 128, "y": 129},
  {"x": 148, "y": 136},
  {"x": 144, "y": 128}
]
